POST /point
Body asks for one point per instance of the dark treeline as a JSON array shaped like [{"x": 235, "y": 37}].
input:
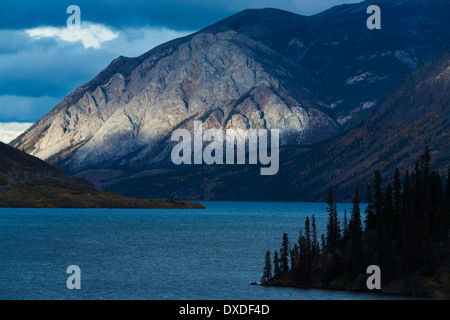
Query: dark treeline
[{"x": 405, "y": 233}]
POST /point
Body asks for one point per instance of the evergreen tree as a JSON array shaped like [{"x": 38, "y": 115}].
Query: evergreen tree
[
  {"x": 333, "y": 231},
  {"x": 303, "y": 268},
  {"x": 381, "y": 221},
  {"x": 301, "y": 244},
  {"x": 388, "y": 211},
  {"x": 406, "y": 230},
  {"x": 356, "y": 232},
  {"x": 315, "y": 249},
  {"x": 417, "y": 192},
  {"x": 397, "y": 211},
  {"x": 437, "y": 213},
  {"x": 345, "y": 225},
  {"x": 267, "y": 274},
  {"x": 294, "y": 255},
  {"x": 308, "y": 241},
  {"x": 408, "y": 253},
  {"x": 425, "y": 162},
  {"x": 379, "y": 197},
  {"x": 323, "y": 243},
  {"x": 284, "y": 254},
  {"x": 276, "y": 265},
  {"x": 406, "y": 198},
  {"x": 386, "y": 234},
  {"x": 370, "y": 212}
]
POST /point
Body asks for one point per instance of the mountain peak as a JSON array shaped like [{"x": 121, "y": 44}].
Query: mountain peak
[{"x": 310, "y": 77}]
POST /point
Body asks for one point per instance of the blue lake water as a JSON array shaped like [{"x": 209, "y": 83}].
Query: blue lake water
[{"x": 153, "y": 254}]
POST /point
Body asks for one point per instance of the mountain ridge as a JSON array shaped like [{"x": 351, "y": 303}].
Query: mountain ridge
[
  {"x": 28, "y": 182},
  {"x": 313, "y": 77},
  {"x": 393, "y": 137}
]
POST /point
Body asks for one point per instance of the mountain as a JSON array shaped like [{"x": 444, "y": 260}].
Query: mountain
[
  {"x": 17, "y": 166},
  {"x": 312, "y": 77},
  {"x": 28, "y": 182},
  {"x": 413, "y": 117},
  {"x": 126, "y": 114}
]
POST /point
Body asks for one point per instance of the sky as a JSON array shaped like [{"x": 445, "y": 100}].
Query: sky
[{"x": 42, "y": 61}]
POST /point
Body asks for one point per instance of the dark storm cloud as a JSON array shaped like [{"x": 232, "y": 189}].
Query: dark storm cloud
[
  {"x": 37, "y": 72},
  {"x": 46, "y": 67},
  {"x": 174, "y": 14},
  {"x": 169, "y": 13},
  {"x": 49, "y": 66}
]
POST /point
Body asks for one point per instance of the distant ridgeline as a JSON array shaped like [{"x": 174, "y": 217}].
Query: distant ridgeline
[
  {"x": 406, "y": 234},
  {"x": 28, "y": 182}
]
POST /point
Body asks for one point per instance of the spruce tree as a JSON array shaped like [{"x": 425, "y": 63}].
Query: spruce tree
[
  {"x": 406, "y": 197},
  {"x": 370, "y": 212},
  {"x": 323, "y": 241},
  {"x": 437, "y": 214},
  {"x": 425, "y": 162},
  {"x": 355, "y": 233},
  {"x": 345, "y": 225},
  {"x": 386, "y": 227},
  {"x": 382, "y": 242},
  {"x": 308, "y": 242},
  {"x": 388, "y": 211},
  {"x": 408, "y": 226},
  {"x": 284, "y": 254},
  {"x": 315, "y": 249},
  {"x": 301, "y": 245},
  {"x": 409, "y": 240},
  {"x": 267, "y": 274},
  {"x": 379, "y": 197},
  {"x": 294, "y": 255},
  {"x": 333, "y": 231},
  {"x": 397, "y": 211},
  {"x": 276, "y": 265}
]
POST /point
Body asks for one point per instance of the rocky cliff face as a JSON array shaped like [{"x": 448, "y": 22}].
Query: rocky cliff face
[
  {"x": 310, "y": 77},
  {"x": 414, "y": 116},
  {"x": 227, "y": 80}
]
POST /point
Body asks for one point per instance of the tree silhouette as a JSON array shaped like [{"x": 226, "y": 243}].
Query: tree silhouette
[
  {"x": 333, "y": 231},
  {"x": 406, "y": 232},
  {"x": 276, "y": 265},
  {"x": 267, "y": 274},
  {"x": 284, "y": 254}
]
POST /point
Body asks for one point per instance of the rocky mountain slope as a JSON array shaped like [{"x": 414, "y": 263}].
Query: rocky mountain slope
[
  {"x": 314, "y": 78},
  {"x": 416, "y": 115},
  {"x": 311, "y": 77},
  {"x": 226, "y": 79}
]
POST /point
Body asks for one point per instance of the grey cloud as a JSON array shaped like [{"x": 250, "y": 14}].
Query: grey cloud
[
  {"x": 37, "y": 74},
  {"x": 33, "y": 69}
]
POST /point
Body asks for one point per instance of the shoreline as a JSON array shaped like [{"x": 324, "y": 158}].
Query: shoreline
[
  {"x": 414, "y": 286},
  {"x": 369, "y": 292}
]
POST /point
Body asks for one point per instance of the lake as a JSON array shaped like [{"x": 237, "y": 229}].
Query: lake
[{"x": 153, "y": 254}]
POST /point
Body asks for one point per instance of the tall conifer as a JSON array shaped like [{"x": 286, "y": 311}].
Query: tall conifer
[
  {"x": 284, "y": 254},
  {"x": 267, "y": 274}
]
